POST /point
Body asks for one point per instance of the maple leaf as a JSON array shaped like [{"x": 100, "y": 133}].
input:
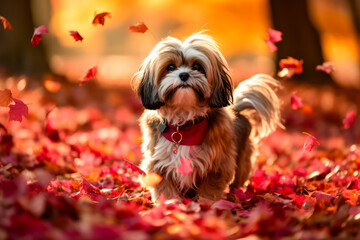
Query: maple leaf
[
  {"x": 5, "y": 97},
  {"x": 296, "y": 102},
  {"x": 18, "y": 110},
  {"x": 325, "y": 67},
  {"x": 349, "y": 119},
  {"x": 6, "y": 23},
  {"x": 290, "y": 66},
  {"x": 310, "y": 142},
  {"x": 76, "y": 35},
  {"x": 37, "y": 36},
  {"x": 138, "y": 28},
  {"x": 274, "y": 36},
  {"x": 100, "y": 18},
  {"x": 185, "y": 167},
  {"x": 90, "y": 74}
]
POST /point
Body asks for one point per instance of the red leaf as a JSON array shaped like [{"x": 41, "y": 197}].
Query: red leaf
[
  {"x": 93, "y": 192},
  {"x": 134, "y": 167},
  {"x": 325, "y": 67},
  {"x": 225, "y": 205},
  {"x": 37, "y": 36},
  {"x": 138, "y": 28},
  {"x": 296, "y": 102},
  {"x": 185, "y": 167},
  {"x": 274, "y": 36},
  {"x": 18, "y": 110},
  {"x": 100, "y": 18},
  {"x": 76, "y": 35},
  {"x": 90, "y": 74},
  {"x": 6, "y": 23},
  {"x": 349, "y": 120},
  {"x": 290, "y": 66},
  {"x": 5, "y": 97},
  {"x": 310, "y": 142}
]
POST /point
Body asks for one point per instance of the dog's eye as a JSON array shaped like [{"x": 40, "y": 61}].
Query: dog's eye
[
  {"x": 171, "y": 67},
  {"x": 198, "y": 67}
]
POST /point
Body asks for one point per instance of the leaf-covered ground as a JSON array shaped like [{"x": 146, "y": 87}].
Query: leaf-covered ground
[{"x": 70, "y": 172}]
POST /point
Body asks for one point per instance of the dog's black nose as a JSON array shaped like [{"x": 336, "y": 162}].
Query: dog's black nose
[{"x": 184, "y": 76}]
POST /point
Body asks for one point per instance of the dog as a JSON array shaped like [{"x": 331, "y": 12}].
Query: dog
[{"x": 191, "y": 112}]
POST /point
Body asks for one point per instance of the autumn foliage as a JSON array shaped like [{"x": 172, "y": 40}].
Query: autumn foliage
[{"x": 69, "y": 167}]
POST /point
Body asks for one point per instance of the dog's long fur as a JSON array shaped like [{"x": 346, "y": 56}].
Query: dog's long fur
[{"x": 224, "y": 157}]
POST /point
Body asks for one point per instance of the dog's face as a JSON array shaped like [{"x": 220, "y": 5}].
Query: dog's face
[{"x": 189, "y": 74}]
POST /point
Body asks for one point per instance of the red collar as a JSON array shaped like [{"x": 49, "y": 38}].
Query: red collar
[{"x": 191, "y": 135}]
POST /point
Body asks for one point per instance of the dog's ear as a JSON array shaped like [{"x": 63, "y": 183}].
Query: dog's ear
[
  {"x": 222, "y": 93},
  {"x": 143, "y": 85}
]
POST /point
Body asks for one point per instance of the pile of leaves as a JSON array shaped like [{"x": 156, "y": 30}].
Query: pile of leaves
[{"x": 71, "y": 173}]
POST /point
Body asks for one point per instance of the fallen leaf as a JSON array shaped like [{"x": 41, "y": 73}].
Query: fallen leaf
[
  {"x": 310, "y": 142},
  {"x": 37, "y": 36},
  {"x": 5, "y": 97},
  {"x": 325, "y": 67},
  {"x": 352, "y": 196},
  {"x": 100, "y": 18},
  {"x": 90, "y": 74},
  {"x": 18, "y": 110},
  {"x": 138, "y": 28},
  {"x": 225, "y": 205},
  {"x": 349, "y": 119},
  {"x": 76, "y": 35},
  {"x": 185, "y": 167},
  {"x": 296, "y": 102},
  {"x": 6, "y": 23}
]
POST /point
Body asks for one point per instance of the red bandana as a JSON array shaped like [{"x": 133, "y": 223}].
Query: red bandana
[{"x": 191, "y": 135}]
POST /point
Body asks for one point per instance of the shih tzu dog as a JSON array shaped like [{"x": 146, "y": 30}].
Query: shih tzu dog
[{"x": 192, "y": 113}]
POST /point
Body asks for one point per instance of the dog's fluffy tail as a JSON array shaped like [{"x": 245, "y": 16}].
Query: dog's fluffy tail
[{"x": 257, "y": 94}]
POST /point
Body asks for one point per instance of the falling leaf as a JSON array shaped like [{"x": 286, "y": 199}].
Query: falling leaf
[
  {"x": 325, "y": 67},
  {"x": 274, "y": 36},
  {"x": 185, "y": 167},
  {"x": 90, "y": 74},
  {"x": 76, "y": 35},
  {"x": 151, "y": 179},
  {"x": 100, "y": 18},
  {"x": 37, "y": 36},
  {"x": 289, "y": 67},
  {"x": 5, "y": 97},
  {"x": 349, "y": 120},
  {"x": 138, "y": 28},
  {"x": 6, "y": 23},
  {"x": 18, "y": 110},
  {"x": 296, "y": 102},
  {"x": 310, "y": 142}
]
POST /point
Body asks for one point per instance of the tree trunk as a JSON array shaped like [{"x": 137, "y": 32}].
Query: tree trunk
[
  {"x": 17, "y": 55},
  {"x": 300, "y": 39}
]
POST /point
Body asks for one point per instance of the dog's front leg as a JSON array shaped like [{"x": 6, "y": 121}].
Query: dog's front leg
[
  {"x": 167, "y": 188},
  {"x": 213, "y": 185}
]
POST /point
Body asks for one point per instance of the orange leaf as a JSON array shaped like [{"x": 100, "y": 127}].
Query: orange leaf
[
  {"x": 6, "y": 23},
  {"x": 352, "y": 196},
  {"x": 138, "y": 28},
  {"x": 5, "y": 97},
  {"x": 100, "y": 18},
  {"x": 151, "y": 180},
  {"x": 293, "y": 66}
]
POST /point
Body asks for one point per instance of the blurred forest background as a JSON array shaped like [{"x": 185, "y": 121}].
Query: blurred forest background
[{"x": 315, "y": 31}]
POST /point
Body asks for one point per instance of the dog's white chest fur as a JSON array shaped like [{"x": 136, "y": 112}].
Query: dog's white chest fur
[{"x": 168, "y": 162}]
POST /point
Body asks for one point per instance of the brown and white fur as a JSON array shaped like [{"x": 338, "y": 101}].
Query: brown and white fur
[{"x": 224, "y": 157}]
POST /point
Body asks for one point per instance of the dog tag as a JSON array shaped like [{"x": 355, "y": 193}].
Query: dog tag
[{"x": 163, "y": 127}]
